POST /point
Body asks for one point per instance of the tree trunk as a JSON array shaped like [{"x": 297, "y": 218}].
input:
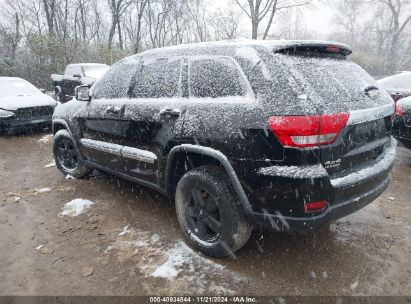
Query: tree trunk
[
  {"x": 112, "y": 33},
  {"x": 120, "y": 37},
  {"x": 49, "y": 10},
  {"x": 254, "y": 24}
]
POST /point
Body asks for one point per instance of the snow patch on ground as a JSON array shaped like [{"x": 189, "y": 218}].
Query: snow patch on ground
[
  {"x": 50, "y": 165},
  {"x": 178, "y": 264},
  {"x": 125, "y": 231},
  {"x": 43, "y": 190},
  {"x": 183, "y": 256},
  {"x": 70, "y": 177},
  {"x": 76, "y": 207},
  {"x": 46, "y": 138}
]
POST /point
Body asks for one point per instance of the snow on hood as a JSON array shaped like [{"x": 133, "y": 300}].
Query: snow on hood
[{"x": 12, "y": 103}]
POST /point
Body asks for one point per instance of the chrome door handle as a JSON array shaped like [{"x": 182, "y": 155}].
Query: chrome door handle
[{"x": 170, "y": 113}]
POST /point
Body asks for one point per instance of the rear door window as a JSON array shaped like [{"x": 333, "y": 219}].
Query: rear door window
[
  {"x": 215, "y": 78},
  {"x": 158, "y": 78}
]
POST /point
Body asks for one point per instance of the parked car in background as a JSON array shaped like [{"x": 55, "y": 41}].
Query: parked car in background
[
  {"x": 402, "y": 123},
  {"x": 282, "y": 135},
  {"x": 76, "y": 75},
  {"x": 398, "y": 86},
  {"x": 22, "y": 105}
]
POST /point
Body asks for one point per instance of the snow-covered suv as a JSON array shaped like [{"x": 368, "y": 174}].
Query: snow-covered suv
[{"x": 284, "y": 135}]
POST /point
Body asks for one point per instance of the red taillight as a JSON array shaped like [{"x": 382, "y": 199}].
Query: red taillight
[
  {"x": 398, "y": 110},
  {"x": 308, "y": 131},
  {"x": 315, "y": 206},
  {"x": 333, "y": 49}
]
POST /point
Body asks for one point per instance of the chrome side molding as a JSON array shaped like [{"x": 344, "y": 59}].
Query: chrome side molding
[
  {"x": 126, "y": 152},
  {"x": 360, "y": 116}
]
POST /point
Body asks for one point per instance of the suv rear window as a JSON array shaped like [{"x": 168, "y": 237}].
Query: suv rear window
[
  {"x": 158, "y": 79},
  {"x": 334, "y": 80},
  {"x": 311, "y": 84},
  {"x": 215, "y": 78}
]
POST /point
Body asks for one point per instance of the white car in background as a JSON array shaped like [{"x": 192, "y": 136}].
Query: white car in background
[
  {"x": 398, "y": 86},
  {"x": 23, "y": 106}
]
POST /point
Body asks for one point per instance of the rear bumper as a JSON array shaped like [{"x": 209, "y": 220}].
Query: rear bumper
[
  {"x": 278, "y": 200},
  {"x": 333, "y": 212}
]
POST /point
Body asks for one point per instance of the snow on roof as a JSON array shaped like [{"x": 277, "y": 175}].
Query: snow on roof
[{"x": 270, "y": 45}]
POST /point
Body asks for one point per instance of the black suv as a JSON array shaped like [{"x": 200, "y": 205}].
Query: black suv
[
  {"x": 283, "y": 135},
  {"x": 402, "y": 122}
]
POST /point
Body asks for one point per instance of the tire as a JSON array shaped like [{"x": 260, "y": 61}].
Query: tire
[
  {"x": 213, "y": 222},
  {"x": 67, "y": 156}
]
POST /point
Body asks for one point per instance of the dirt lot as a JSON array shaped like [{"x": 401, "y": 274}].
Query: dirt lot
[{"x": 129, "y": 242}]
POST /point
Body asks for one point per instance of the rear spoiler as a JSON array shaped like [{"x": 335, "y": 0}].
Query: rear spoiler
[{"x": 324, "y": 48}]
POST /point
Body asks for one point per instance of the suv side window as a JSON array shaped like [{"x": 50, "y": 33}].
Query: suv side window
[
  {"x": 214, "y": 78},
  {"x": 116, "y": 82},
  {"x": 158, "y": 78}
]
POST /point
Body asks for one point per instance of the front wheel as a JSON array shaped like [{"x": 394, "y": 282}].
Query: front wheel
[
  {"x": 209, "y": 212},
  {"x": 67, "y": 157}
]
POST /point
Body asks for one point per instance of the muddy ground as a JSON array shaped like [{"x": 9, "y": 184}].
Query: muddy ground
[{"x": 129, "y": 241}]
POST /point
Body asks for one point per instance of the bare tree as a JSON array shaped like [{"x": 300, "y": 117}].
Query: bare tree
[
  {"x": 134, "y": 22},
  {"x": 258, "y": 10},
  {"x": 400, "y": 11},
  {"x": 12, "y": 34},
  {"x": 117, "y": 9},
  {"x": 226, "y": 24}
]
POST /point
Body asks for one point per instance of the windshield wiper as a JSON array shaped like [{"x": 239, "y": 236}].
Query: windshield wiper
[{"x": 370, "y": 88}]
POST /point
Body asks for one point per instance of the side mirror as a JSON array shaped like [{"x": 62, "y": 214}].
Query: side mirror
[
  {"x": 82, "y": 93},
  {"x": 76, "y": 75},
  {"x": 43, "y": 91}
]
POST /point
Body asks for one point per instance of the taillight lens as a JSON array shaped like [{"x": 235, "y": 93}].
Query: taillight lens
[
  {"x": 308, "y": 131},
  {"x": 315, "y": 206},
  {"x": 398, "y": 110}
]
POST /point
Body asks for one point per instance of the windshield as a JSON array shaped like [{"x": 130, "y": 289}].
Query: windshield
[
  {"x": 95, "y": 72},
  {"x": 401, "y": 81},
  {"x": 17, "y": 87}
]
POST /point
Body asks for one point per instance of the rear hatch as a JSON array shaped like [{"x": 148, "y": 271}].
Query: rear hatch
[{"x": 331, "y": 84}]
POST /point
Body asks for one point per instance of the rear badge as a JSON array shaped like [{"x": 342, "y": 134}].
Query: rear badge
[{"x": 333, "y": 164}]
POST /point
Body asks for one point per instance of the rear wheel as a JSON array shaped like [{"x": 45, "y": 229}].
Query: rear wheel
[
  {"x": 67, "y": 157},
  {"x": 209, "y": 213}
]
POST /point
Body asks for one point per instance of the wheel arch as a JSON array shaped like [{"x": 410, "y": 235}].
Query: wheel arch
[
  {"x": 60, "y": 124},
  {"x": 175, "y": 169}
]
